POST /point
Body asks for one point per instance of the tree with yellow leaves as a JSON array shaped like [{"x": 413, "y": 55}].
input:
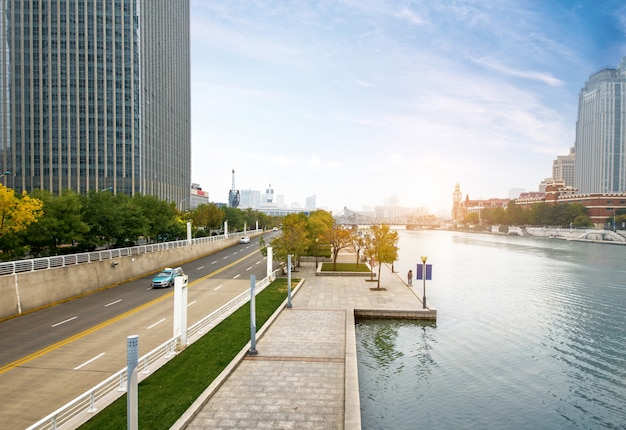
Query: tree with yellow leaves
[{"x": 16, "y": 213}]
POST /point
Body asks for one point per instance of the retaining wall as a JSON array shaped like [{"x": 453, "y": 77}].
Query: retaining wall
[{"x": 27, "y": 291}]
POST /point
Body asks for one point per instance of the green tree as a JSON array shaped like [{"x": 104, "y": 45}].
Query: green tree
[
  {"x": 493, "y": 216},
  {"x": 384, "y": 246},
  {"x": 161, "y": 219},
  {"x": 234, "y": 217},
  {"x": 293, "y": 240},
  {"x": 207, "y": 217},
  {"x": 61, "y": 222}
]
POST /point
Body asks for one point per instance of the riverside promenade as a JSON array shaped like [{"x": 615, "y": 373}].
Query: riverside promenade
[{"x": 304, "y": 374}]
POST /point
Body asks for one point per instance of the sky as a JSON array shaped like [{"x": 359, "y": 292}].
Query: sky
[{"x": 355, "y": 101}]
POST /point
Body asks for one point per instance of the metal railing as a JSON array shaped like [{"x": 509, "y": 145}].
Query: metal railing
[
  {"x": 83, "y": 407},
  {"x": 19, "y": 266}
]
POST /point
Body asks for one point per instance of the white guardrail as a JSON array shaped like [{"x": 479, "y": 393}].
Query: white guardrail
[
  {"x": 18, "y": 266},
  {"x": 85, "y": 406}
]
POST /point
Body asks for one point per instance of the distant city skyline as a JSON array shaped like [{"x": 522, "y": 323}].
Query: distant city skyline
[{"x": 356, "y": 101}]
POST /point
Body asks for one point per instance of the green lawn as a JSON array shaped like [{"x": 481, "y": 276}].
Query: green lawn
[
  {"x": 345, "y": 267},
  {"x": 167, "y": 394}
]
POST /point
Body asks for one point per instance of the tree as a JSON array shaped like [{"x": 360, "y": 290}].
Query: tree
[
  {"x": 318, "y": 229},
  {"x": 234, "y": 217},
  {"x": 17, "y": 213},
  {"x": 472, "y": 218},
  {"x": 384, "y": 246},
  {"x": 293, "y": 240},
  {"x": 61, "y": 222},
  {"x": 338, "y": 238},
  {"x": 206, "y": 217}
]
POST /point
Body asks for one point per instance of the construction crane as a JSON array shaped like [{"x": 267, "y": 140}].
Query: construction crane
[{"x": 233, "y": 195}]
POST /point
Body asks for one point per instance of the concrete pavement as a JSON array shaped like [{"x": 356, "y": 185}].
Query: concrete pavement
[{"x": 304, "y": 374}]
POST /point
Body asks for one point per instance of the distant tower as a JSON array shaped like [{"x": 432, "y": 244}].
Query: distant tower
[
  {"x": 457, "y": 196},
  {"x": 233, "y": 195},
  {"x": 269, "y": 194}
]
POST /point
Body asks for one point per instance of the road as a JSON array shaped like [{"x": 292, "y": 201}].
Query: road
[{"x": 49, "y": 357}]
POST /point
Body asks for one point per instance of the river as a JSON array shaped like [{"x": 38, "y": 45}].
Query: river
[{"x": 530, "y": 334}]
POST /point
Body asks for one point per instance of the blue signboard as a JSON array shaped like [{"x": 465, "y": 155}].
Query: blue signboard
[{"x": 429, "y": 272}]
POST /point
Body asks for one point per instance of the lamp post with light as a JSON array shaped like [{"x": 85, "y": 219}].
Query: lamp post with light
[
  {"x": 8, "y": 172},
  {"x": 424, "y": 258}
]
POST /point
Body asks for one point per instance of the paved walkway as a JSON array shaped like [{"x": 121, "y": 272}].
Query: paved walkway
[{"x": 305, "y": 373}]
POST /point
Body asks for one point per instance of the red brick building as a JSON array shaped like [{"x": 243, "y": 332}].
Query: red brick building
[{"x": 602, "y": 206}]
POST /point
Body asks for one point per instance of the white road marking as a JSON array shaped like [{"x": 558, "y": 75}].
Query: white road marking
[
  {"x": 249, "y": 268},
  {"x": 112, "y": 303},
  {"x": 200, "y": 268},
  {"x": 156, "y": 323},
  {"x": 236, "y": 276},
  {"x": 191, "y": 303},
  {"x": 213, "y": 262},
  {"x": 89, "y": 361},
  {"x": 63, "y": 322},
  {"x": 217, "y": 288}
]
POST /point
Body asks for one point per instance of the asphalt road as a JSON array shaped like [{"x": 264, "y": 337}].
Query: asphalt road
[{"x": 49, "y": 357}]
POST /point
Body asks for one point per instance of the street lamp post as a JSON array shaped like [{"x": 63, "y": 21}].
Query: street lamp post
[
  {"x": 317, "y": 239},
  {"x": 180, "y": 203},
  {"x": 614, "y": 225},
  {"x": 424, "y": 258},
  {"x": 8, "y": 172}
]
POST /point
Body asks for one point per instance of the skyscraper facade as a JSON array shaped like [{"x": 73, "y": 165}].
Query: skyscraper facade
[
  {"x": 600, "y": 147},
  {"x": 95, "y": 95}
]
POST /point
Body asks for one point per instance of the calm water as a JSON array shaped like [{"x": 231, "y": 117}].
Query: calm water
[{"x": 531, "y": 334}]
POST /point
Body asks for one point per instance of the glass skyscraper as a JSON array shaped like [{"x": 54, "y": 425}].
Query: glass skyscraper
[
  {"x": 600, "y": 165},
  {"x": 95, "y": 95}
]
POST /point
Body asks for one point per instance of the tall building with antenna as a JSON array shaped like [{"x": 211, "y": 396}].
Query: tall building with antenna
[
  {"x": 234, "y": 196},
  {"x": 96, "y": 95}
]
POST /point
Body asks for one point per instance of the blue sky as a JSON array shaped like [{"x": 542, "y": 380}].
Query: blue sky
[{"x": 357, "y": 100}]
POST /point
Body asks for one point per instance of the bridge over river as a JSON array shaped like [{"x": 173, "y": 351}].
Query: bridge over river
[{"x": 390, "y": 217}]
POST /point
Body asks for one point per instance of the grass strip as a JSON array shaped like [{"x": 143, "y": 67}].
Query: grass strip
[
  {"x": 165, "y": 395},
  {"x": 345, "y": 267}
]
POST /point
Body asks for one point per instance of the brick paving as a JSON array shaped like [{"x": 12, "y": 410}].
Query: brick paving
[{"x": 304, "y": 374}]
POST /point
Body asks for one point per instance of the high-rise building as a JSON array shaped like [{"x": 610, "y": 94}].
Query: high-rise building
[
  {"x": 95, "y": 94},
  {"x": 600, "y": 147},
  {"x": 311, "y": 203},
  {"x": 563, "y": 168}
]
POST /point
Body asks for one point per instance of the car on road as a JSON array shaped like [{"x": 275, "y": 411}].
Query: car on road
[
  {"x": 165, "y": 278},
  {"x": 244, "y": 239}
]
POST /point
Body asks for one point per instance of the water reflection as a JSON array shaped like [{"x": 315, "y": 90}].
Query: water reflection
[{"x": 530, "y": 334}]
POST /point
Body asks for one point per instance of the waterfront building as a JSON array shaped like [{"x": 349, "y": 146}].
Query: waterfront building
[
  {"x": 461, "y": 208},
  {"x": 95, "y": 95},
  {"x": 602, "y": 207},
  {"x": 600, "y": 146},
  {"x": 563, "y": 168}
]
